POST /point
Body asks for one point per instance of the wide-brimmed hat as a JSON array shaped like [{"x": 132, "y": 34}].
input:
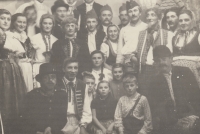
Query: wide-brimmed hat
[{"x": 46, "y": 68}]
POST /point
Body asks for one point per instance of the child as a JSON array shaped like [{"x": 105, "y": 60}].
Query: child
[
  {"x": 103, "y": 109},
  {"x": 116, "y": 84},
  {"x": 132, "y": 115},
  {"x": 98, "y": 69}
]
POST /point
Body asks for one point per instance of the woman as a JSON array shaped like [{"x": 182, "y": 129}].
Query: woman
[
  {"x": 109, "y": 47},
  {"x": 17, "y": 31},
  {"x": 42, "y": 43},
  {"x": 187, "y": 39},
  {"x": 12, "y": 86}
]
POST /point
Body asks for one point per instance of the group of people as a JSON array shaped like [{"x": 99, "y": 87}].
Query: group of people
[{"x": 70, "y": 70}]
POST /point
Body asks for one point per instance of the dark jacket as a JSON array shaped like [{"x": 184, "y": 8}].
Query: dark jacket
[
  {"x": 82, "y": 10},
  {"x": 85, "y": 62},
  {"x": 58, "y": 31},
  {"x": 186, "y": 93},
  {"x": 42, "y": 111}
]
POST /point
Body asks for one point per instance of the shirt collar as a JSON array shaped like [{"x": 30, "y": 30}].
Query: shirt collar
[
  {"x": 91, "y": 4},
  {"x": 92, "y": 33},
  {"x": 67, "y": 81}
]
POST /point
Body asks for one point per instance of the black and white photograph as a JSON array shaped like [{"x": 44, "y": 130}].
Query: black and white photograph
[{"x": 99, "y": 66}]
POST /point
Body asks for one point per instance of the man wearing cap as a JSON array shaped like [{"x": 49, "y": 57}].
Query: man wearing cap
[
  {"x": 78, "y": 111},
  {"x": 105, "y": 17},
  {"x": 173, "y": 95},
  {"x": 123, "y": 16},
  {"x": 129, "y": 34},
  {"x": 86, "y": 7},
  {"x": 91, "y": 39},
  {"x": 45, "y": 107},
  {"x": 67, "y": 47},
  {"x": 59, "y": 10}
]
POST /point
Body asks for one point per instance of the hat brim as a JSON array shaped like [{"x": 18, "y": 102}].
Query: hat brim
[{"x": 38, "y": 77}]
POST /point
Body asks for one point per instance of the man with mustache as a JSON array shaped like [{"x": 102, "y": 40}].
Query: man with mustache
[
  {"x": 91, "y": 39},
  {"x": 78, "y": 110},
  {"x": 129, "y": 34},
  {"x": 123, "y": 16},
  {"x": 105, "y": 17},
  {"x": 45, "y": 107},
  {"x": 173, "y": 95},
  {"x": 68, "y": 46},
  {"x": 59, "y": 10}
]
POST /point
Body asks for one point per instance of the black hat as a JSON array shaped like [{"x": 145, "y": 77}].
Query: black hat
[
  {"x": 161, "y": 52},
  {"x": 46, "y": 68},
  {"x": 57, "y": 4},
  {"x": 131, "y": 4}
]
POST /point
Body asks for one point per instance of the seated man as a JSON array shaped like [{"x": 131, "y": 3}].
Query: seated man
[
  {"x": 45, "y": 107},
  {"x": 78, "y": 111},
  {"x": 173, "y": 96}
]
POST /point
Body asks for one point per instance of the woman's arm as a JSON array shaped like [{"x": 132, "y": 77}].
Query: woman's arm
[{"x": 96, "y": 121}]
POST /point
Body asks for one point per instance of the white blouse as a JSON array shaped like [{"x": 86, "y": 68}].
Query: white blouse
[{"x": 106, "y": 49}]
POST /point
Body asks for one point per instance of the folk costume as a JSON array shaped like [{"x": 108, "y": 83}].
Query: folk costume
[
  {"x": 90, "y": 41},
  {"x": 117, "y": 89},
  {"x": 84, "y": 8},
  {"x": 78, "y": 111}
]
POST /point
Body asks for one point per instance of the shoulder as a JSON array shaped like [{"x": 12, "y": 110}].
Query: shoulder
[
  {"x": 97, "y": 5},
  {"x": 33, "y": 92},
  {"x": 81, "y": 83},
  {"x": 36, "y": 37},
  {"x": 104, "y": 45},
  {"x": 54, "y": 38},
  {"x": 80, "y": 7},
  {"x": 106, "y": 70}
]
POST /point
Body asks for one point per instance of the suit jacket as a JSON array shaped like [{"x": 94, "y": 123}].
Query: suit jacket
[
  {"x": 186, "y": 93},
  {"x": 84, "y": 57},
  {"x": 82, "y": 10},
  {"x": 57, "y": 31}
]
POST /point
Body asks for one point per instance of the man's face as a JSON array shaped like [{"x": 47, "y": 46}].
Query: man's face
[
  {"x": 31, "y": 15},
  {"x": 48, "y": 81},
  {"x": 124, "y": 18},
  {"x": 88, "y": 1},
  {"x": 152, "y": 18},
  {"x": 172, "y": 20},
  {"x": 134, "y": 14},
  {"x": 5, "y": 21},
  {"x": 118, "y": 73},
  {"x": 70, "y": 1},
  {"x": 70, "y": 29},
  {"x": 163, "y": 64},
  {"x": 106, "y": 17},
  {"x": 185, "y": 22},
  {"x": 92, "y": 24},
  {"x": 113, "y": 33},
  {"x": 71, "y": 70},
  {"x": 20, "y": 24},
  {"x": 61, "y": 13},
  {"x": 47, "y": 25},
  {"x": 41, "y": 1},
  {"x": 89, "y": 82},
  {"x": 131, "y": 88},
  {"x": 97, "y": 60}
]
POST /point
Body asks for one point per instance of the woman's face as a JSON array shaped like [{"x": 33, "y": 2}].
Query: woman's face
[
  {"x": 5, "y": 21},
  {"x": 97, "y": 60},
  {"x": 185, "y": 22},
  {"x": 20, "y": 24},
  {"x": 152, "y": 18},
  {"x": 103, "y": 89},
  {"x": 47, "y": 25},
  {"x": 113, "y": 33}
]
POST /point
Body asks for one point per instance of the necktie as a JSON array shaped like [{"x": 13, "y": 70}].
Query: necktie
[{"x": 71, "y": 88}]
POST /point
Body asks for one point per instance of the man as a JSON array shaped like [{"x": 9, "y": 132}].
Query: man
[
  {"x": 40, "y": 7},
  {"x": 86, "y": 7},
  {"x": 123, "y": 16},
  {"x": 106, "y": 16},
  {"x": 45, "y": 107},
  {"x": 59, "y": 10},
  {"x": 67, "y": 47},
  {"x": 91, "y": 39},
  {"x": 128, "y": 35},
  {"x": 147, "y": 41},
  {"x": 171, "y": 18},
  {"x": 31, "y": 15},
  {"x": 174, "y": 95},
  {"x": 78, "y": 111}
]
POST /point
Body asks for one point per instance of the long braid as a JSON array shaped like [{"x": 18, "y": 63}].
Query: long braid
[{"x": 101, "y": 75}]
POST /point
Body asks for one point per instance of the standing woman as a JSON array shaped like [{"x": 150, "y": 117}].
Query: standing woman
[
  {"x": 187, "y": 39},
  {"x": 12, "y": 86},
  {"x": 42, "y": 43},
  {"x": 17, "y": 32}
]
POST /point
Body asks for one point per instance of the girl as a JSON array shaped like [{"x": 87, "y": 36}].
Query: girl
[
  {"x": 98, "y": 69},
  {"x": 17, "y": 31},
  {"x": 132, "y": 115},
  {"x": 42, "y": 43},
  {"x": 116, "y": 85},
  {"x": 103, "y": 108}
]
